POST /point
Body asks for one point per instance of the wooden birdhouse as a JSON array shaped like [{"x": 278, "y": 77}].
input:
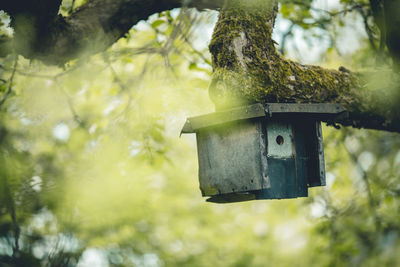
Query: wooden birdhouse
[{"x": 261, "y": 151}]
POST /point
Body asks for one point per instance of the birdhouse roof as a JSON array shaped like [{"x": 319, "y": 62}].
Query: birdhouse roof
[{"x": 316, "y": 111}]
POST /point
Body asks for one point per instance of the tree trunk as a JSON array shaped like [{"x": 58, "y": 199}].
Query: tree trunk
[{"x": 248, "y": 69}]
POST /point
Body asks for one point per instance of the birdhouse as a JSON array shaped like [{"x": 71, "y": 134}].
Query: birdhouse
[{"x": 261, "y": 151}]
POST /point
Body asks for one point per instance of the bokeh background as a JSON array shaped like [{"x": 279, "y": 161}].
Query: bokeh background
[{"x": 93, "y": 171}]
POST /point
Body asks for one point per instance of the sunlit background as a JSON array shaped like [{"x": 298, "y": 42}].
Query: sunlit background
[{"x": 93, "y": 171}]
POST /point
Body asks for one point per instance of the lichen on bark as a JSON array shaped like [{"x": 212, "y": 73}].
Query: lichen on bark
[{"x": 248, "y": 69}]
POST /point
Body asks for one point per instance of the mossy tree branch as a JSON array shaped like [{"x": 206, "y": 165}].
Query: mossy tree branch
[
  {"x": 41, "y": 33},
  {"x": 247, "y": 68}
]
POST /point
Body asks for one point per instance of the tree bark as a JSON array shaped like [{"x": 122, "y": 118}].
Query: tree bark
[
  {"x": 391, "y": 9},
  {"x": 247, "y": 69}
]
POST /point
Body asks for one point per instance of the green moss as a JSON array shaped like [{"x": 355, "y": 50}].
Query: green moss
[
  {"x": 240, "y": 80},
  {"x": 248, "y": 69},
  {"x": 255, "y": 72}
]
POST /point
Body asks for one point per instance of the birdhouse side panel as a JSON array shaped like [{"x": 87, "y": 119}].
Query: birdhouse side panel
[
  {"x": 321, "y": 158},
  {"x": 314, "y": 154},
  {"x": 301, "y": 146},
  {"x": 230, "y": 158}
]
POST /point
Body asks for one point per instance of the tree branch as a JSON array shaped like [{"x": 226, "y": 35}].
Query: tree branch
[
  {"x": 40, "y": 33},
  {"x": 247, "y": 68}
]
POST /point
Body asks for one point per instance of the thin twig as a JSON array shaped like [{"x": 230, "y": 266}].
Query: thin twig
[
  {"x": 168, "y": 46},
  {"x": 75, "y": 115},
  {"x": 288, "y": 33},
  {"x": 114, "y": 73},
  {"x": 13, "y": 215},
  {"x": 42, "y": 76},
  {"x": 121, "y": 84},
  {"x": 9, "y": 89},
  {"x": 368, "y": 30},
  {"x": 330, "y": 13},
  {"x": 72, "y": 6},
  {"x": 371, "y": 199},
  {"x": 197, "y": 52},
  {"x": 138, "y": 82}
]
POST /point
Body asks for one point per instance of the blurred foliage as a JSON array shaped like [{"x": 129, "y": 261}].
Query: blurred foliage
[
  {"x": 93, "y": 172},
  {"x": 5, "y": 29},
  {"x": 326, "y": 24}
]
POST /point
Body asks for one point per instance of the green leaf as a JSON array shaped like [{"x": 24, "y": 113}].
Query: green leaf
[{"x": 157, "y": 23}]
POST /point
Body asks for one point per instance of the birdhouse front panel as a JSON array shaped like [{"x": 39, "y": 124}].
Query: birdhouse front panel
[{"x": 281, "y": 161}]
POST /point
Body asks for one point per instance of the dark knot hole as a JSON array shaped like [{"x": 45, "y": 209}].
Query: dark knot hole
[{"x": 279, "y": 140}]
